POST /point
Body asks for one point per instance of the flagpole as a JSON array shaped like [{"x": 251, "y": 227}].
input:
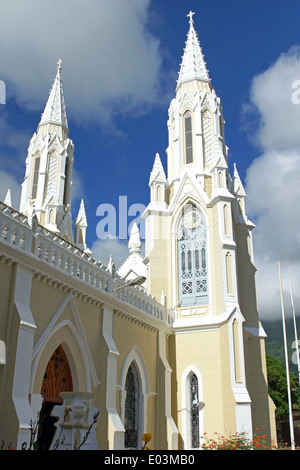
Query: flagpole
[
  {"x": 295, "y": 328},
  {"x": 287, "y": 365}
]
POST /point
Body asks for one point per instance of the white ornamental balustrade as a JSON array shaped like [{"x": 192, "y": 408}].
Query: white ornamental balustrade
[
  {"x": 136, "y": 296},
  {"x": 58, "y": 253},
  {"x": 70, "y": 260},
  {"x": 14, "y": 228}
]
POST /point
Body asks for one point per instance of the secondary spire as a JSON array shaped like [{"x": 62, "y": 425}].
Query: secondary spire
[{"x": 193, "y": 66}]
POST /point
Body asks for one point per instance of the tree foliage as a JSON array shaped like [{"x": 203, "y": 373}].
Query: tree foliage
[{"x": 277, "y": 384}]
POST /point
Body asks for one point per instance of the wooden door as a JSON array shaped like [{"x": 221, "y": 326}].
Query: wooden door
[{"x": 57, "y": 379}]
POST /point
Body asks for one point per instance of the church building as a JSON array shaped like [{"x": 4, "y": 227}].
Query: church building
[{"x": 171, "y": 343}]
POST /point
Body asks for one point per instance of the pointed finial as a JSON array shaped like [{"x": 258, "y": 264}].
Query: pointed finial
[
  {"x": 163, "y": 298},
  {"x": 81, "y": 217},
  {"x": 190, "y": 15},
  {"x": 134, "y": 244},
  {"x": 7, "y": 199},
  {"x": 157, "y": 161},
  {"x": 238, "y": 188},
  {"x": 111, "y": 266}
]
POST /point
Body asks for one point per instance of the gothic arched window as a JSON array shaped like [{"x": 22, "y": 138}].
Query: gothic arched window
[
  {"x": 229, "y": 273},
  {"x": 188, "y": 137},
  {"x": 192, "y": 258},
  {"x": 194, "y": 407},
  {"x": 132, "y": 408},
  {"x": 67, "y": 181},
  {"x": 35, "y": 178},
  {"x": 226, "y": 220},
  {"x": 52, "y": 173},
  {"x": 207, "y": 132}
]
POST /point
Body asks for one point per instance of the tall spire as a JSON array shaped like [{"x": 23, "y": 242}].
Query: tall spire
[
  {"x": 47, "y": 184},
  {"x": 193, "y": 66},
  {"x": 55, "y": 110}
]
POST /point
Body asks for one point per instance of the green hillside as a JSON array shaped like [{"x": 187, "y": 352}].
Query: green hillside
[{"x": 275, "y": 341}]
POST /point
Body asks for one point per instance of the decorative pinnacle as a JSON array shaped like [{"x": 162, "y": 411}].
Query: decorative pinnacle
[{"x": 134, "y": 244}]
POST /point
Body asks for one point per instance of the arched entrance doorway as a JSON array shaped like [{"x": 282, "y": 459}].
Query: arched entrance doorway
[{"x": 57, "y": 379}]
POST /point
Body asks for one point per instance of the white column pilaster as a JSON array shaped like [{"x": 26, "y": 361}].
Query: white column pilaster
[
  {"x": 22, "y": 372},
  {"x": 115, "y": 426},
  {"x": 172, "y": 431}
]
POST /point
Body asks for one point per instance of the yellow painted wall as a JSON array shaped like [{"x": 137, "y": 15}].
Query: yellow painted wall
[
  {"x": 256, "y": 372},
  {"x": 128, "y": 335},
  {"x": 208, "y": 352},
  {"x": 9, "y": 323}
]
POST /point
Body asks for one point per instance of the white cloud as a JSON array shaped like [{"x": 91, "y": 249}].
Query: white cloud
[
  {"x": 118, "y": 249},
  {"x": 272, "y": 182},
  {"x": 102, "y": 249},
  {"x": 272, "y": 95},
  {"x": 111, "y": 61},
  {"x": 12, "y": 141},
  {"x": 7, "y": 181},
  {"x": 78, "y": 185}
]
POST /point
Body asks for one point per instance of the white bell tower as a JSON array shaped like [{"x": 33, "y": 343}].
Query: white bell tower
[
  {"x": 199, "y": 252},
  {"x": 185, "y": 238},
  {"x": 47, "y": 186}
]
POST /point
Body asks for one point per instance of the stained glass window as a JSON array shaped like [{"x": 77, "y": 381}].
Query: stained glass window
[
  {"x": 132, "y": 388},
  {"x": 35, "y": 176},
  {"x": 195, "y": 437},
  {"x": 192, "y": 262},
  {"x": 188, "y": 137}
]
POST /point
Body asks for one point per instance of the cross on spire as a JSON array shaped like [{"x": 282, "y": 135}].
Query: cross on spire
[
  {"x": 190, "y": 15},
  {"x": 60, "y": 61}
]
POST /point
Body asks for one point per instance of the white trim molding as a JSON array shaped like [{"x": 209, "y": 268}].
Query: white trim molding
[{"x": 185, "y": 405}]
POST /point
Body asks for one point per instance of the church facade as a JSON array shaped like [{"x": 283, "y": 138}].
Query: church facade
[{"x": 169, "y": 344}]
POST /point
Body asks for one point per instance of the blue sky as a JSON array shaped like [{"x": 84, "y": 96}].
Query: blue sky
[{"x": 121, "y": 61}]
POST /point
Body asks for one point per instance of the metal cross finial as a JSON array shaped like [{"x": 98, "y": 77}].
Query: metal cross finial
[{"x": 190, "y": 15}]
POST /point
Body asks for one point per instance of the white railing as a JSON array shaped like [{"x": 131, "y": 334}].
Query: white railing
[{"x": 53, "y": 250}]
